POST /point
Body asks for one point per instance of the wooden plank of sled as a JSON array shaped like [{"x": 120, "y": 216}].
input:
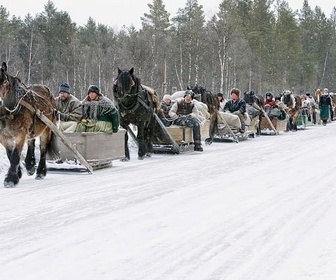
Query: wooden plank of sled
[
  {"x": 98, "y": 148},
  {"x": 164, "y": 130},
  {"x": 54, "y": 129}
]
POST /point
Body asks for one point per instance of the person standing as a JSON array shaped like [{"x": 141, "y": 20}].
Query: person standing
[
  {"x": 68, "y": 109},
  {"x": 325, "y": 106}
]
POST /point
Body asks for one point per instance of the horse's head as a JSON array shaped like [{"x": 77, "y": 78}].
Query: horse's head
[
  {"x": 200, "y": 93},
  {"x": 287, "y": 97},
  {"x": 7, "y": 82},
  {"x": 249, "y": 97},
  {"x": 126, "y": 83}
]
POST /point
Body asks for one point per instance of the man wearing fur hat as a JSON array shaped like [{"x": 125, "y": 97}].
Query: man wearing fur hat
[
  {"x": 236, "y": 106},
  {"x": 69, "y": 109},
  {"x": 184, "y": 113},
  {"x": 98, "y": 113}
]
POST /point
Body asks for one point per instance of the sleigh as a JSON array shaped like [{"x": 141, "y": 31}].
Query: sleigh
[
  {"x": 175, "y": 139},
  {"x": 225, "y": 131},
  {"x": 98, "y": 149},
  {"x": 278, "y": 126}
]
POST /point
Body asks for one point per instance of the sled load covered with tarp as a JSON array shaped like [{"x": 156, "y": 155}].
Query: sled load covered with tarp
[{"x": 228, "y": 128}]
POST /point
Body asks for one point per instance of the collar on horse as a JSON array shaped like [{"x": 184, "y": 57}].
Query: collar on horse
[{"x": 138, "y": 100}]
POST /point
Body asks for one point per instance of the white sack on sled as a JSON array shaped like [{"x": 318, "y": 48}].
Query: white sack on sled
[{"x": 231, "y": 119}]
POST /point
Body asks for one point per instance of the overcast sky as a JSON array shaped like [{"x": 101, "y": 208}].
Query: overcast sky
[{"x": 118, "y": 13}]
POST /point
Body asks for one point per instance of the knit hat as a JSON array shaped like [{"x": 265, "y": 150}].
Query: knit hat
[
  {"x": 94, "y": 88},
  {"x": 189, "y": 93},
  {"x": 64, "y": 87}
]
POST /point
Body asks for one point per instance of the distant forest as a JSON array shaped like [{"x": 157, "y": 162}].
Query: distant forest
[{"x": 260, "y": 45}]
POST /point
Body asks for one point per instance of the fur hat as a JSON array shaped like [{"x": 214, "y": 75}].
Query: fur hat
[
  {"x": 166, "y": 97},
  {"x": 94, "y": 88},
  {"x": 64, "y": 87}
]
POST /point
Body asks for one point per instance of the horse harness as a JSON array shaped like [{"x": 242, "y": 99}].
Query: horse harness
[
  {"x": 21, "y": 92},
  {"x": 124, "y": 110}
]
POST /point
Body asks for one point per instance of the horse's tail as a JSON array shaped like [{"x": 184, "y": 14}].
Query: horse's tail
[{"x": 52, "y": 147}]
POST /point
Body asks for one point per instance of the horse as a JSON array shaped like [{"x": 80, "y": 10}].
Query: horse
[
  {"x": 293, "y": 104},
  {"x": 19, "y": 124},
  {"x": 137, "y": 105},
  {"x": 254, "y": 107},
  {"x": 207, "y": 97}
]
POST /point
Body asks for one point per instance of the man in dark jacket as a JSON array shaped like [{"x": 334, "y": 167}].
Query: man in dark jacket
[
  {"x": 184, "y": 113},
  {"x": 236, "y": 106}
]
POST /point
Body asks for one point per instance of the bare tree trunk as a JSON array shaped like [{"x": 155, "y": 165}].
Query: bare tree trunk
[{"x": 324, "y": 69}]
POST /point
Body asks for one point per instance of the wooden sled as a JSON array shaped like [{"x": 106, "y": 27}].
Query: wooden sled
[
  {"x": 267, "y": 129},
  {"x": 99, "y": 149},
  {"x": 175, "y": 139},
  {"x": 226, "y": 133}
]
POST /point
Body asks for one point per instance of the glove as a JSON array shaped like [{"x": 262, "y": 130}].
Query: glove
[{"x": 84, "y": 121}]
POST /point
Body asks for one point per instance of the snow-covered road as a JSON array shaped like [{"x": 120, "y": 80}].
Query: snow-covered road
[{"x": 262, "y": 209}]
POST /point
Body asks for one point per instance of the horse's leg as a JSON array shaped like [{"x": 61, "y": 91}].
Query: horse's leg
[
  {"x": 30, "y": 160},
  {"x": 141, "y": 141},
  {"x": 45, "y": 146},
  {"x": 14, "y": 172},
  {"x": 212, "y": 129},
  {"x": 149, "y": 132},
  {"x": 127, "y": 153}
]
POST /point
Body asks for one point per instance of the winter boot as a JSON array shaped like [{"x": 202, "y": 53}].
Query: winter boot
[{"x": 198, "y": 148}]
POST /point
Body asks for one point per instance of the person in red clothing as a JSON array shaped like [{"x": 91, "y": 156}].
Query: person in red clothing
[{"x": 269, "y": 102}]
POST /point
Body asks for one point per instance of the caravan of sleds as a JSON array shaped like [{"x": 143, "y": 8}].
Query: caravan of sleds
[{"x": 26, "y": 113}]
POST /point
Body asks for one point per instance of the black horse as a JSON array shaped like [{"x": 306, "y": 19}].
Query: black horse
[
  {"x": 136, "y": 106},
  {"x": 254, "y": 107},
  {"x": 210, "y": 99}
]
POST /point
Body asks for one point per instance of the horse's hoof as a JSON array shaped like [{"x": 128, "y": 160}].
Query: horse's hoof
[
  {"x": 141, "y": 158},
  {"x": 125, "y": 159},
  {"x": 39, "y": 177},
  {"x": 31, "y": 172},
  {"x": 148, "y": 155},
  {"x": 208, "y": 141},
  {"x": 9, "y": 184}
]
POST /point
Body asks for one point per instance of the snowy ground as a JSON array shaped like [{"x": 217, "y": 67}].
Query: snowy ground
[{"x": 263, "y": 209}]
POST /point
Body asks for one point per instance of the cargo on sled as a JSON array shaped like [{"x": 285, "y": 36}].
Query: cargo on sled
[{"x": 228, "y": 128}]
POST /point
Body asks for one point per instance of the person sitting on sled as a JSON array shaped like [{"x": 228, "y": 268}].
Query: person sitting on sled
[
  {"x": 236, "y": 106},
  {"x": 184, "y": 113},
  {"x": 99, "y": 114}
]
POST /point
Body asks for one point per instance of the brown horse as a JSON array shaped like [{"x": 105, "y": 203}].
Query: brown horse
[
  {"x": 19, "y": 123},
  {"x": 293, "y": 104}
]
